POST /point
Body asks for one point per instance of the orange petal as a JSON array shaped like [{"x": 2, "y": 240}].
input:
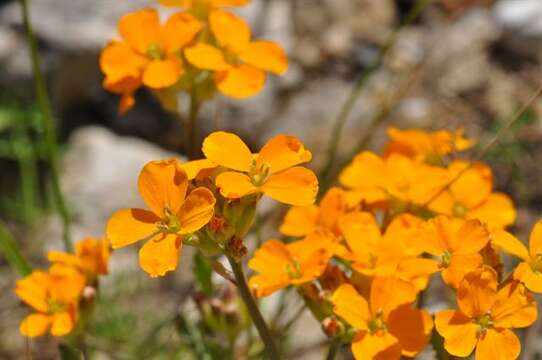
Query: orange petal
[
  {"x": 332, "y": 207},
  {"x": 118, "y": 61},
  {"x": 299, "y": 220},
  {"x": 35, "y": 325},
  {"x": 440, "y": 235},
  {"x": 197, "y": 210},
  {"x": 535, "y": 240},
  {"x": 265, "y": 284},
  {"x": 532, "y": 280},
  {"x": 294, "y": 186},
  {"x": 470, "y": 238},
  {"x": 507, "y": 242},
  {"x": 196, "y": 168},
  {"x": 366, "y": 170},
  {"x": 498, "y": 344},
  {"x": 66, "y": 283},
  {"x": 128, "y": 226},
  {"x": 497, "y": 211},
  {"x": 230, "y": 2},
  {"x": 351, "y": 306},
  {"x": 63, "y": 324},
  {"x": 162, "y": 73},
  {"x": 228, "y": 150},
  {"x": 459, "y": 332},
  {"x": 361, "y": 232},
  {"x": 514, "y": 307},
  {"x": 477, "y": 292},
  {"x": 387, "y": 294},
  {"x": 271, "y": 258},
  {"x": 179, "y": 30},
  {"x": 460, "y": 265},
  {"x": 141, "y": 29},
  {"x": 283, "y": 152},
  {"x": 163, "y": 184},
  {"x": 478, "y": 177},
  {"x": 160, "y": 255},
  {"x": 231, "y": 31},
  {"x": 171, "y": 3},
  {"x": 127, "y": 102},
  {"x": 205, "y": 56},
  {"x": 412, "y": 327},
  {"x": 235, "y": 185},
  {"x": 266, "y": 55},
  {"x": 33, "y": 290},
  {"x": 241, "y": 81},
  {"x": 380, "y": 346}
]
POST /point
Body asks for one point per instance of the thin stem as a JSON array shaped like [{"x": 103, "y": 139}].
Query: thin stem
[
  {"x": 359, "y": 85},
  {"x": 49, "y": 132},
  {"x": 191, "y": 127},
  {"x": 333, "y": 349},
  {"x": 253, "y": 310}
]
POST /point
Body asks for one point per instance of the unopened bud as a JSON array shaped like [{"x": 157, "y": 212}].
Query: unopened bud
[
  {"x": 237, "y": 248},
  {"x": 332, "y": 327},
  {"x": 89, "y": 293}
]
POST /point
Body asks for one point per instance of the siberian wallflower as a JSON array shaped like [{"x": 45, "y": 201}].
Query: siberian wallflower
[
  {"x": 273, "y": 171},
  {"x": 485, "y": 316},
  {"x": 387, "y": 325},
  {"x": 54, "y": 296},
  {"x": 173, "y": 214},
  {"x": 457, "y": 244},
  {"x": 279, "y": 265},
  {"x": 303, "y": 220},
  {"x": 148, "y": 53},
  {"x": 426, "y": 146},
  {"x": 471, "y": 196},
  {"x": 238, "y": 62}
]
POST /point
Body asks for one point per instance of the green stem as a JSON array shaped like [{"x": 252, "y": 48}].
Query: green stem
[
  {"x": 334, "y": 348},
  {"x": 12, "y": 253},
  {"x": 253, "y": 310},
  {"x": 49, "y": 131},
  {"x": 336, "y": 133},
  {"x": 191, "y": 127}
]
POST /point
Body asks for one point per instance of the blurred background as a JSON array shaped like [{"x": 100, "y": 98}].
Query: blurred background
[{"x": 461, "y": 63}]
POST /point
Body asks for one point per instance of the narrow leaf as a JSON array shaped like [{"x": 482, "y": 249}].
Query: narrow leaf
[{"x": 10, "y": 250}]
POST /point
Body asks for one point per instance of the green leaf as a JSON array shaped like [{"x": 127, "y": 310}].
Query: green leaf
[
  {"x": 203, "y": 273},
  {"x": 10, "y": 249},
  {"x": 68, "y": 352},
  {"x": 437, "y": 342}
]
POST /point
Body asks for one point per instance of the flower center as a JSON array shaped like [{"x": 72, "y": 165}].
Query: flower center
[
  {"x": 536, "y": 264},
  {"x": 154, "y": 52},
  {"x": 459, "y": 210},
  {"x": 171, "y": 222},
  {"x": 377, "y": 324},
  {"x": 294, "y": 270},
  {"x": 259, "y": 173},
  {"x": 55, "y": 306},
  {"x": 484, "y": 322},
  {"x": 446, "y": 258}
]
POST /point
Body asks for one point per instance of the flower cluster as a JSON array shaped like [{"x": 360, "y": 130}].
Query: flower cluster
[
  {"x": 59, "y": 295},
  {"x": 371, "y": 247},
  {"x": 200, "y": 49},
  {"x": 210, "y": 203}
]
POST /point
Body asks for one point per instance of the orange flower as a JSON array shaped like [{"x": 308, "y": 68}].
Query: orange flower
[
  {"x": 273, "y": 171},
  {"x": 457, "y": 244},
  {"x": 188, "y": 4},
  {"x": 375, "y": 180},
  {"x": 240, "y": 64},
  {"x": 91, "y": 257},
  {"x": 54, "y": 297},
  {"x": 388, "y": 255},
  {"x": 387, "y": 325},
  {"x": 148, "y": 54},
  {"x": 280, "y": 265},
  {"x": 426, "y": 146},
  {"x": 485, "y": 316},
  {"x": 302, "y": 220},
  {"x": 471, "y": 197},
  {"x": 530, "y": 270},
  {"x": 163, "y": 186}
]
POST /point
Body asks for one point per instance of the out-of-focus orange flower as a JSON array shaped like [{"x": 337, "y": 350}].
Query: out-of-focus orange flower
[
  {"x": 148, "y": 54},
  {"x": 426, "y": 146},
  {"x": 279, "y": 265},
  {"x": 302, "y": 220},
  {"x": 374, "y": 180},
  {"x": 388, "y": 255},
  {"x": 387, "y": 325},
  {"x": 54, "y": 297},
  {"x": 471, "y": 196},
  {"x": 457, "y": 243},
  {"x": 273, "y": 171},
  {"x": 163, "y": 186},
  {"x": 91, "y": 257},
  {"x": 530, "y": 270},
  {"x": 485, "y": 316},
  {"x": 205, "y": 4},
  {"x": 240, "y": 64}
]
